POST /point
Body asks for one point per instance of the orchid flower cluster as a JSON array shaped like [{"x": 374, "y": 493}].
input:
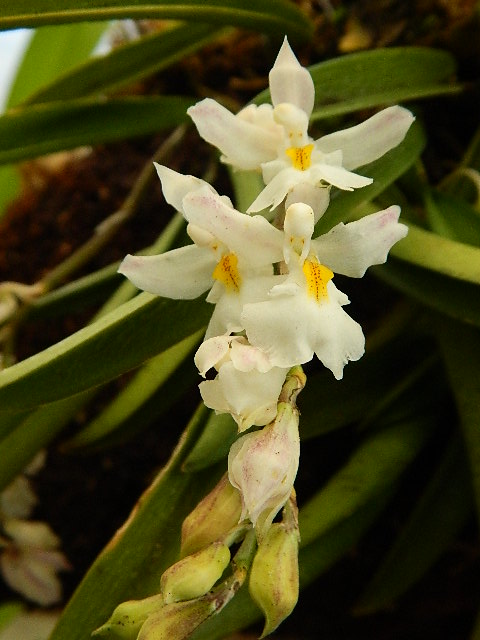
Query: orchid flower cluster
[{"x": 271, "y": 284}]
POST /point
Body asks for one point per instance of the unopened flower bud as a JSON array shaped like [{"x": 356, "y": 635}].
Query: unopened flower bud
[
  {"x": 212, "y": 518},
  {"x": 274, "y": 575},
  {"x": 128, "y": 618},
  {"x": 196, "y": 574},
  {"x": 263, "y": 466}
]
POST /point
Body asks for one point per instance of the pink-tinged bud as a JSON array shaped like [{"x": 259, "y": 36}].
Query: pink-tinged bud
[
  {"x": 274, "y": 575},
  {"x": 196, "y": 574},
  {"x": 212, "y": 518},
  {"x": 128, "y": 618},
  {"x": 263, "y": 466}
]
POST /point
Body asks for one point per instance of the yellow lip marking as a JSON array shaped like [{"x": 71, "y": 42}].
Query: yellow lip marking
[
  {"x": 301, "y": 157},
  {"x": 317, "y": 276},
  {"x": 227, "y": 272}
]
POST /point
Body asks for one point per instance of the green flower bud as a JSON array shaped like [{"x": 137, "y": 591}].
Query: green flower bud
[
  {"x": 196, "y": 574},
  {"x": 274, "y": 575},
  {"x": 212, "y": 518},
  {"x": 127, "y": 619},
  {"x": 177, "y": 621}
]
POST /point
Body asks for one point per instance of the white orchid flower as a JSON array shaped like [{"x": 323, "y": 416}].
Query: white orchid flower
[
  {"x": 274, "y": 138},
  {"x": 304, "y": 314},
  {"x": 263, "y": 466},
  {"x": 247, "y": 385},
  {"x": 230, "y": 254}
]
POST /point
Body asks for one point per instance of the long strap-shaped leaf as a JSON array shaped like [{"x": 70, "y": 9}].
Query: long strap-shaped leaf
[
  {"x": 31, "y": 131},
  {"x": 274, "y": 16}
]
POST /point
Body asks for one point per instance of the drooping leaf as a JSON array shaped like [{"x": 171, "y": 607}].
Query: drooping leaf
[
  {"x": 453, "y": 218},
  {"x": 273, "y": 16},
  {"x": 34, "y": 130}
]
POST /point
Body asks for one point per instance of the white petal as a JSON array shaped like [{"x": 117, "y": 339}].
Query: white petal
[
  {"x": 339, "y": 339},
  {"x": 26, "y": 533},
  {"x": 243, "y": 144},
  {"x": 210, "y": 352},
  {"x": 338, "y": 177},
  {"x": 290, "y": 82},
  {"x": 371, "y": 139},
  {"x": 350, "y": 249},
  {"x": 251, "y": 238},
  {"x": 183, "y": 273},
  {"x": 252, "y": 396},
  {"x": 175, "y": 186},
  {"x": 213, "y": 397},
  {"x": 282, "y": 327},
  {"x": 316, "y": 197},
  {"x": 17, "y": 499},
  {"x": 245, "y": 357},
  {"x": 276, "y": 190}
]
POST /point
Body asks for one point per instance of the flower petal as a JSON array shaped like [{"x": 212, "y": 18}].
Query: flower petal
[
  {"x": 183, "y": 273},
  {"x": 251, "y": 238},
  {"x": 371, "y": 139},
  {"x": 338, "y": 177},
  {"x": 276, "y": 190},
  {"x": 211, "y": 352},
  {"x": 290, "y": 82},
  {"x": 175, "y": 186},
  {"x": 351, "y": 248},
  {"x": 243, "y": 144},
  {"x": 318, "y": 198}
]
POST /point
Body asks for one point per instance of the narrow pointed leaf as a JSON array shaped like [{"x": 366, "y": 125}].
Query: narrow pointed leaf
[{"x": 274, "y": 16}]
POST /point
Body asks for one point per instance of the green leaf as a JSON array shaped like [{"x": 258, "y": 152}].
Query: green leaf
[
  {"x": 218, "y": 435},
  {"x": 147, "y": 543},
  {"x": 272, "y": 16},
  {"x": 441, "y": 512},
  {"x": 437, "y": 253},
  {"x": 26, "y": 132},
  {"x": 9, "y": 611},
  {"x": 376, "y": 464},
  {"x": 379, "y": 77},
  {"x": 384, "y": 172},
  {"x": 116, "y": 343},
  {"x": 461, "y": 351},
  {"x": 128, "y": 63},
  {"x": 452, "y": 218},
  {"x": 52, "y": 52},
  {"x": 455, "y": 298}
]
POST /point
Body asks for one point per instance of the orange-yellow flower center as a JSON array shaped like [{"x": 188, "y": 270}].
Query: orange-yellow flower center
[
  {"x": 227, "y": 272},
  {"x": 317, "y": 276},
  {"x": 301, "y": 157}
]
